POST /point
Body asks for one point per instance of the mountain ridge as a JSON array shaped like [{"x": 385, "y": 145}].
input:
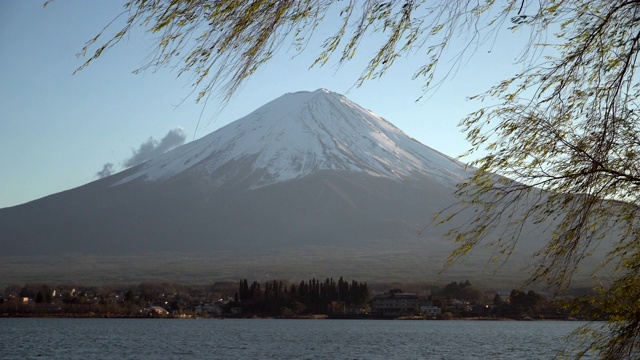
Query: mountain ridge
[
  {"x": 300, "y": 133},
  {"x": 308, "y": 173}
]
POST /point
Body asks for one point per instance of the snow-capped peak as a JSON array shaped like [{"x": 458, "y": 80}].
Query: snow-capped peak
[{"x": 301, "y": 133}]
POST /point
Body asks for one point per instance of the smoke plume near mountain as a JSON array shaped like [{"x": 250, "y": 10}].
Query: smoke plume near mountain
[
  {"x": 107, "y": 170},
  {"x": 152, "y": 148}
]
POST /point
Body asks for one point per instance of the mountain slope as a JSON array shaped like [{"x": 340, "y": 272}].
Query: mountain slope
[
  {"x": 310, "y": 172},
  {"x": 302, "y": 133}
]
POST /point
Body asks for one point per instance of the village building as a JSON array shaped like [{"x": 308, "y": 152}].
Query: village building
[
  {"x": 158, "y": 311},
  {"x": 395, "y": 303},
  {"x": 209, "y": 309},
  {"x": 430, "y": 311}
]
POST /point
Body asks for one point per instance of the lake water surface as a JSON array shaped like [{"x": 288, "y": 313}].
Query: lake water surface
[{"x": 279, "y": 339}]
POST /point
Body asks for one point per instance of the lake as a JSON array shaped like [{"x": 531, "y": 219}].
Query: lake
[{"x": 70, "y": 339}]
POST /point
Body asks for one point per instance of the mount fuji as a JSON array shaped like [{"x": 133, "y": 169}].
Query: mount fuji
[
  {"x": 298, "y": 135},
  {"x": 310, "y": 180}
]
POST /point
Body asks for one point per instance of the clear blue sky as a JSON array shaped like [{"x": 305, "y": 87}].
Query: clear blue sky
[{"x": 58, "y": 130}]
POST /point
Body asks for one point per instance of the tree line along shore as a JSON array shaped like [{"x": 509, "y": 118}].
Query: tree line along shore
[{"x": 313, "y": 298}]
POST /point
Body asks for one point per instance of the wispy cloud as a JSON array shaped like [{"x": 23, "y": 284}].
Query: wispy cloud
[
  {"x": 147, "y": 150},
  {"x": 107, "y": 169},
  {"x": 152, "y": 147}
]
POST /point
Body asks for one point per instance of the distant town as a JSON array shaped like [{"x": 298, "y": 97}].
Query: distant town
[{"x": 314, "y": 298}]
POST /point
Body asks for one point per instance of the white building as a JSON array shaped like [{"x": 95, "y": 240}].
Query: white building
[{"x": 395, "y": 304}]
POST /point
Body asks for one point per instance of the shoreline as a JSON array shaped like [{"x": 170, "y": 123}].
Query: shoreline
[{"x": 309, "y": 317}]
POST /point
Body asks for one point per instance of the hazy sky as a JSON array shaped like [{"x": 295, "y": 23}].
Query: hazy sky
[{"x": 59, "y": 131}]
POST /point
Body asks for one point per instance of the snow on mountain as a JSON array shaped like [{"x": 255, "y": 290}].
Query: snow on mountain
[
  {"x": 302, "y": 133},
  {"x": 349, "y": 192}
]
